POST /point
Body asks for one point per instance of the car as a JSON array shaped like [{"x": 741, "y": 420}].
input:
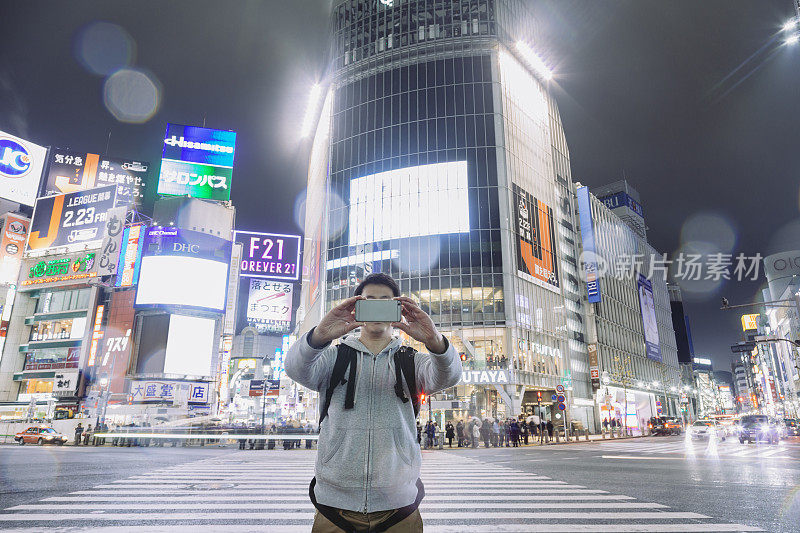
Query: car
[
  {"x": 662, "y": 425},
  {"x": 706, "y": 429},
  {"x": 40, "y": 435},
  {"x": 755, "y": 428},
  {"x": 792, "y": 427}
]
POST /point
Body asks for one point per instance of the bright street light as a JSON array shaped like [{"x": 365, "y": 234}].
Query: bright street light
[
  {"x": 792, "y": 39},
  {"x": 311, "y": 110},
  {"x": 790, "y": 25},
  {"x": 534, "y": 60}
]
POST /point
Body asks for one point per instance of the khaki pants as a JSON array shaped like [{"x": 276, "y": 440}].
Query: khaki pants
[{"x": 365, "y": 522}]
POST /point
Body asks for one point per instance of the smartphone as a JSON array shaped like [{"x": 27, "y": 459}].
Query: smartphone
[{"x": 378, "y": 311}]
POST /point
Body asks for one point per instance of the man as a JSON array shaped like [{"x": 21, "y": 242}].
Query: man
[
  {"x": 78, "y": 433},
  {"x": 367, "y": 470}
]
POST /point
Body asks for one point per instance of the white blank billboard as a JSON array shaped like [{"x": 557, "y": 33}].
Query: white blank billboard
[
  {"x": 182, "y": 280},
  {"x": 190, "y": 345},
  {"x": 409, "y": 202}
]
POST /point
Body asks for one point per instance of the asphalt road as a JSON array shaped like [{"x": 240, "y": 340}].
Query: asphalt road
[{"x": 653, "y": 484}]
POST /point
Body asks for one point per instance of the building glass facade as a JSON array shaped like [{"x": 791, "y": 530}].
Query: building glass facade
[{"x": 447, "y": 168}]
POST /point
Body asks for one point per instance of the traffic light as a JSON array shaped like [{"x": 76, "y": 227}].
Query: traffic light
[
  {"x": 539, "y": 395},
  {"x": 422, "y": 399},
  {"x": 463, "y": 356}
]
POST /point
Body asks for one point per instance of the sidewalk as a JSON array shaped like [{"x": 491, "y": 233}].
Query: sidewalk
[{"x": 534, "y": 442}]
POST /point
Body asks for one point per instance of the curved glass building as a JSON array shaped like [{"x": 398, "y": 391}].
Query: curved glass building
[{"x": 440, "y": 159}]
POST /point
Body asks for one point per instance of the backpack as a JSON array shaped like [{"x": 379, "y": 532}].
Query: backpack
[{"x": 347, "y": 358}]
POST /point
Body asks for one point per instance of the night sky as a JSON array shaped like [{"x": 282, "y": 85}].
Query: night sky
[{"x": 694, "y": 102}]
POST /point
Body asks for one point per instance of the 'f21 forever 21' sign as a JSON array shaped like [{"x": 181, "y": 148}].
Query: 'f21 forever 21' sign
[{"x": 269, "y": 255}]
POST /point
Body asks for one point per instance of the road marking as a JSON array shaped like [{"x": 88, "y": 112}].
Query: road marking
[
  {"x": 645, "y": 457},
  {"x": 304, "y": 497},
  {"x": 507, "y": 527}
]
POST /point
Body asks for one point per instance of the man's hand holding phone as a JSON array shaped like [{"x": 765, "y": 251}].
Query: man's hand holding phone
[
  {"x": 339, "y": 321},
  {"x": 418, "y": 325}
]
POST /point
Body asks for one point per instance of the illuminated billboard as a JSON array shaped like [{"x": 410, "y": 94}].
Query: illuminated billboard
[
  {"x": 409, "y": 202},
  {"x": 536, "y": 239},
  {"x": 72, "y": 172},
  {"x": 130, "y": 254},
  {"x": 197, "y": 162},
  {"x": 589, "y": 250},
  {"x": 183, "y": 268},
  {"x": 269, "y": 255},
  {"x": 21, "y": 166},
  {"x": 750, "y": 322},
  {"x": 12, "y": 242},
  {"x": 75, "y": 221},
  {"x": 648, "y": 307},
  {"x": 58, "y": 270},
  {"x": 190, "y": 345},
  {"x": 269, "y": 306}
]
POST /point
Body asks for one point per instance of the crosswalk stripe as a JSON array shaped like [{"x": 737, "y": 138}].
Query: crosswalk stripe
[
  {"x": 304, "y": 497},
  {"x": 456, "y": 514},
  {"x": 512, "y": 527},
  {"x": 308, "y": 507}
]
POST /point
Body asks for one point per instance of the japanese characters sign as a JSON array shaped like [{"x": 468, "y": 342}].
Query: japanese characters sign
[
  {"x": 536, "y": 240},
  {"x": 65, "y": 383},
  {"x": 67, "y": 268},
  {"x": 75, "y": 221},
  {"x": 73, "y": 172},
  {"x": 269, "y": 305},
  {"x": 167, "y": 391},
  {"x": 269, "y": 255},
  {"x": 21, "y": 166},
  {"x": 109, "y": 254},
  {"x": 197, "y": 162}
]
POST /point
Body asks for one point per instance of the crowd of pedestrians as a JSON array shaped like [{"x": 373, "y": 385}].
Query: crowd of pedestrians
[{"x": 489, "y": 432}]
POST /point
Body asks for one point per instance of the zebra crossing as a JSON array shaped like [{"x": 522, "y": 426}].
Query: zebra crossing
[
  {"x": 728, "y": 448},
  {"x": 247, "y": 491}
]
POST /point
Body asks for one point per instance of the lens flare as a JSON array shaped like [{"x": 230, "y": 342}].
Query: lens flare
[
  {"x": 132, "y": 95},
  {"x": 103, "y": 47},
  {"x": 711, "y": 231}
]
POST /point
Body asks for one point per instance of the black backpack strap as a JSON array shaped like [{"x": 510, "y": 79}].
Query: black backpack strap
[
  {"x": 345, "y": 356},
  {"x": 404, "y": 363}
]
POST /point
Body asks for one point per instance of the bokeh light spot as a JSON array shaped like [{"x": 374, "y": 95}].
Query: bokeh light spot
[
  {"x": 103, "y": 47},
  {"x": 132, "y": 95},
  {"x": 709, "y": 231}
]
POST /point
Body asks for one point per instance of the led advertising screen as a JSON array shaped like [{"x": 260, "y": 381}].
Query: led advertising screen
[
  {"x": 409, "y": 202},
  {"x": 183, "y": 268},
  {"x": 648, "y": 307},
  {"x": 269, "y": 255},
  {"x": 72, "y": 172},
  {"x": 12, "y": 242},
  {"x": 168, "y": 280},
  {"x": 190, "y": 345},
  {"x": 269, "y": 306},
  {"x": 589, "y": 250},
  {"x": 130, "y": 254},
  {"x": 536, "y": 239},
  {"x": 76, "y": 220},
  {"x": 21, "y": 166},
  {"x": 197, "y": 162}
]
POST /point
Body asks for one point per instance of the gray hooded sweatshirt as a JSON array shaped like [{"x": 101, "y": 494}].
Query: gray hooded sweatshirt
[{"x": 368, "y": 458}]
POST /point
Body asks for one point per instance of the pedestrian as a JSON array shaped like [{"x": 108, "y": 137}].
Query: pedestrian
[
  {"x": 476, "y": 435},
  {"x": 543, "y": 432},
  {"x": 430, "y": 433},
  {"x": 514, "y": 429},
  {"x": 523, "y": 428},
  {"x": 87, "y": 435},
  {"x": 450, "y": 433},
  {"x": 508, "y": 433},
  {"x": 460, "y": 433},
  {"x": 419, "y": 434},
  {"x": 605, "y": 425},
  {"x": 78, "y": 433},
  {"x": 550, "y": 429},
  {"x": 495, "y": 433},
  {"x": 372, "y": 416},
  {"x": 486, "y": 432}
]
